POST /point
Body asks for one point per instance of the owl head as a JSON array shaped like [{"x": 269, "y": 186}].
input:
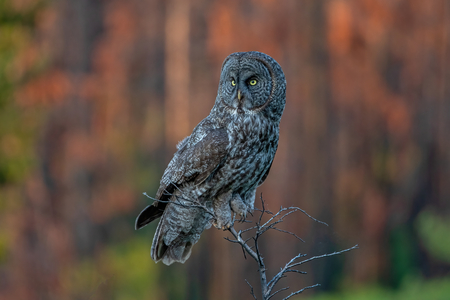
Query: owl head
[{"x": 252, "y": 83}]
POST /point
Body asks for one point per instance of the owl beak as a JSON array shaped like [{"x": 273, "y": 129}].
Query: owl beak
[{"x": 239, "y": 95}]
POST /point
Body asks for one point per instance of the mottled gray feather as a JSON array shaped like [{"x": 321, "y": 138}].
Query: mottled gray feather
[{"x": 227, "y": 156}]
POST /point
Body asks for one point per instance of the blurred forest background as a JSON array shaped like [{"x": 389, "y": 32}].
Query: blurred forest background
[{"x": 95, "y": 94}]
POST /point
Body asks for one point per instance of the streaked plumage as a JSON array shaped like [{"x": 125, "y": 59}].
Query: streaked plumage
[{"x": 227, "y": 156}]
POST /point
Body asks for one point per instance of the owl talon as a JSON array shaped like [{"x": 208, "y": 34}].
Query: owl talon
[
  {"x": 224, "y": 225},
  {"x": 238, "y": 206}
]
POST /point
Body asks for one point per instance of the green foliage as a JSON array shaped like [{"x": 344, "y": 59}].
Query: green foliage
[
  {"x": 18, "y": 124},
  {"x": 411, "y": 289},
  {"x": 3, "y": 246},
  {"x": 83, "y": 280},
  {"x": 403, "y": 254},
  {"x": 133, "y": 275},
  {"x": 120, "y": 272},
  {"x": 25, "y": 17},
  {"x": 434, "y": 231}
]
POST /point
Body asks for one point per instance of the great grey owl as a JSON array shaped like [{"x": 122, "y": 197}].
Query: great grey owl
[{"x": 220, "y": 165}]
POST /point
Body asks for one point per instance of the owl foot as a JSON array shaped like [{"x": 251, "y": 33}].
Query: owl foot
[
  {"x": 222, "y": 224},
  {"x": 222, "y": 211},
  {"x": 238, "y": 207}
]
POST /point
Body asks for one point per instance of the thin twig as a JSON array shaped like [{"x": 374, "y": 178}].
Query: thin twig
[
  {"x": 295, "y": 271},
  {"x": 288, "y": 232},
  {"x": 324, "y": 255},
  {"x": 280, "y": 290},
  {"x": 301, "y": 291},
  {"x": 283, "y": 270},
  {"x": 243, "y": 244},
  {"x": 251, "y": 289}
]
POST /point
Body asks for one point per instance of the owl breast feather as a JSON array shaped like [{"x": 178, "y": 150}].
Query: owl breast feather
[{"x": 252, "y": 147}]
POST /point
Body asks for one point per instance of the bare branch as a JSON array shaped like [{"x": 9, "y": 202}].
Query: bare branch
[
  {"x": 280, "y": 290},
  {"x": 251, "y": 290},
  {"x": 248, "y": 229},
  {"x": 243, "y": 244},
  {"x": 288, "y": 232},
  {"x": 300, "y": 291},
  {"x": 263, "y": 210},
  {"x": 283, "y": 270},
  {"x": 324, "y": 255},
  {"x": 233, "y": 241},
  {"x": 268, "y": 223},
  {"x": 296, "y": 271},
  {"x": 254, "y": 251}
]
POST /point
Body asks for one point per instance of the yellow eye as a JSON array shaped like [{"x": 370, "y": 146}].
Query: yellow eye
[
  {"x": 253, "y": 82},
  {"x": 233, "y": 83}
]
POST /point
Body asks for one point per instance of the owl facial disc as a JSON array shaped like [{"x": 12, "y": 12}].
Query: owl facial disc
[{"x": 248, "y": 82}]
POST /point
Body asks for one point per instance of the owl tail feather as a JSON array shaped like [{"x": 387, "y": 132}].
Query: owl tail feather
[
  {"x": 148, "y": 214},
  {"x": 178, "y": 250}
]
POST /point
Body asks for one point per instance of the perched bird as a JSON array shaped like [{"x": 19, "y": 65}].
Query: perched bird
[{"x": 214, "y": 174}]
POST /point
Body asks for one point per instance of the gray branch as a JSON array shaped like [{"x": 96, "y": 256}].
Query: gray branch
[{"x": 262, "y": 227}]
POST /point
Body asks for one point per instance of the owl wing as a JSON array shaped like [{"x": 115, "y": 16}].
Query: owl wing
[
  {"x": 196, "y": 160},
  {"x": 263, "y": 178}
]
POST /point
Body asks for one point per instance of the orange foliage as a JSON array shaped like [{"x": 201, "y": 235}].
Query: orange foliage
[
  {"x": 121, "y": 82},
  {"x": 48, "y": 89}
]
